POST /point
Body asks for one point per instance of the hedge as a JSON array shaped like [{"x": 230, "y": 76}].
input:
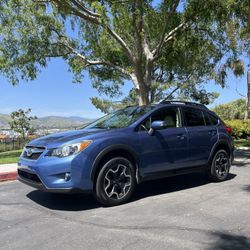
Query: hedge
[{"x": 240, "y": 128}]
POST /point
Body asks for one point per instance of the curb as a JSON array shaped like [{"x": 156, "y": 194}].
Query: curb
[
  {"x": 243, "y": 148},
  {"x": 10, "y": 176}
]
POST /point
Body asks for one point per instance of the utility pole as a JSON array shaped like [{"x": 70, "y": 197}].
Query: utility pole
[{"x": 248, "y": 96}]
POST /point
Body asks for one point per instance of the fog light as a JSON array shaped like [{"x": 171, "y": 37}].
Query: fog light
[{"x": 67, "y": 176}]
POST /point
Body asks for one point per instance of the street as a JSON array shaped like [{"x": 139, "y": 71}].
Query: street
[{"x": 184, "y": 212}]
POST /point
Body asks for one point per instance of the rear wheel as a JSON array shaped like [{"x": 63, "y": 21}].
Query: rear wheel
[
  {"x": 115, "y": 182},
  {"x": 220, "y": 166}
]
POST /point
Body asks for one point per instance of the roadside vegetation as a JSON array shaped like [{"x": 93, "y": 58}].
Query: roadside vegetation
[
  {"x": 233, "y": 113},
  {"x": 242, "y": 143},
  {"x": 10, "y": 156}
]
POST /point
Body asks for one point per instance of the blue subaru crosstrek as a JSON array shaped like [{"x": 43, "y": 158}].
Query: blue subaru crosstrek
[{"x": 113, "y": 154}]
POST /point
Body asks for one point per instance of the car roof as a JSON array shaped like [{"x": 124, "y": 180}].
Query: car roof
[
  {"x": 178, "y": 103},
  {"x": 183, "y": 103}
]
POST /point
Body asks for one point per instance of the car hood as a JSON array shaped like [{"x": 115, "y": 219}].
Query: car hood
[{"x": 64, "y": 137}]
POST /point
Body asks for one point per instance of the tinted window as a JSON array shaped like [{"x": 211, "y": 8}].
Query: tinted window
[
  {"x": 210, "y": 119},
  {"x": 169, "y": 115},
  {"x": 193, "y": 117}
]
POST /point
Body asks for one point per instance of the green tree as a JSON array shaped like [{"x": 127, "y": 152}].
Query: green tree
[
  {"x": 20, "y": 122},
  {"x": 231, "y": 110},
  {"x": 166, "y": 48}
]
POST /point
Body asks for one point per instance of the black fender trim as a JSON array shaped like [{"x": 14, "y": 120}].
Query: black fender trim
[
  {"x": 110, "y": 149},
  {"x": 218, "y": 144}
]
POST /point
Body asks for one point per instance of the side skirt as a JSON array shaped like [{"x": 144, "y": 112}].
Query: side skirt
[{"x": 168, "y": 173}]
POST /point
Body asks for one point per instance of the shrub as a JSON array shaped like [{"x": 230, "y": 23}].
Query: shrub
[
  {"x": 240, "y": 128},
  {"x": 231, "y": 110}
]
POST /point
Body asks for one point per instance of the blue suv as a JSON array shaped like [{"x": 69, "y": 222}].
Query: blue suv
[{"x": 138, "y": 143}]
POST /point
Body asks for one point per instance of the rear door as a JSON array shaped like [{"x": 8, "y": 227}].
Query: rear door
[{"x": 202, "y": 135}]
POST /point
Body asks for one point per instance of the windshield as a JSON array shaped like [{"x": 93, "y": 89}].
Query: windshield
[{"x": 121, "y": 118}]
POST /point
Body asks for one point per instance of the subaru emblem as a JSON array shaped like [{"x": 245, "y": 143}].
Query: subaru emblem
[{"x": 29, "y": 152}]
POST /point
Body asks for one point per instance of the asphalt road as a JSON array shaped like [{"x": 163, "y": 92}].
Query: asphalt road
[{"x": 185, "y": 212}]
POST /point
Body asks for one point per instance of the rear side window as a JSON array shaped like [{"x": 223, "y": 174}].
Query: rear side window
[
  {"x": 211, "y": 120},
  {"x": 193, "y": 117}
]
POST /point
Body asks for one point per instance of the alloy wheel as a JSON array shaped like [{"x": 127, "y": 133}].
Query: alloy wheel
[
  {"x": 117, "y": 182},
  {"x": 221, "y": 164}
]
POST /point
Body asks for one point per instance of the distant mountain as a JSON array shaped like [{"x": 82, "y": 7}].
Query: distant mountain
[
  {"x": 49, "y": 122},
  {"x": 4, "y": 119}
]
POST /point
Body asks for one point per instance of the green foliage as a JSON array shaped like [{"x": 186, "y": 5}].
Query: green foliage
[
  {"x": 116, "y": 41},
  {"x": 231, "y": 110},
  {"x": 20, "y": 122},
  {"x": 10, "y": 156},
  {"x": 240, "y": 128}
]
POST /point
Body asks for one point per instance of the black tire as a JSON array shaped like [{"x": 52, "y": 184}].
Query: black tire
[
  {"x": 115, "y": 182},
  {"x": 220, "y": 166}
]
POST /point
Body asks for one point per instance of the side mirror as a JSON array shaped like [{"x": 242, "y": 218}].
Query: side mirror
[{"x": 157, "y": 125}]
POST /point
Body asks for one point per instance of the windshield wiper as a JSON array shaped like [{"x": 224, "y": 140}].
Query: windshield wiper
[{"x": 100, "y": 127}]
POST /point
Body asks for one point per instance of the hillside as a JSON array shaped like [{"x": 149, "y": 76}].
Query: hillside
[
  {"x": 4, "y": 119},
  {"x": 49, "y": 122}
]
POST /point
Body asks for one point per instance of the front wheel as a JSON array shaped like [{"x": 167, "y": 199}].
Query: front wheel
[
  {"x": 115, "y": 182},
  {"x": 220, "y": 166}
]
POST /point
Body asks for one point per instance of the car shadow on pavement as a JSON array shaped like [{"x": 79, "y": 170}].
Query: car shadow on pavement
[
  {"x": 240, "y": 163},
  {"x": 247, "y": 188},
  {"x": 79, "y": 202},
  {"x": 242, "y": 158},
  {"x": 173, "y": 184},
  {"x": 226, "y": 241},
  {"x": 66, "y": 202}
]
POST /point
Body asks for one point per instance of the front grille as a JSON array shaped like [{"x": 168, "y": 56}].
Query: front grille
[
  {"x": 32, "y": 153},
  {"x": 29, "y": 176}
]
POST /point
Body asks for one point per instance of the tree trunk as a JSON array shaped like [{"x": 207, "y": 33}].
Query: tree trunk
[
  {"x": 248, "y": 96},
  {"x": 141, "y": 86},
  {"x": 143, "y": 97}
]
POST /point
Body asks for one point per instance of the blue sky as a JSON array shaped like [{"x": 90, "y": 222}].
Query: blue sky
[{"x": 53, "y": 93}]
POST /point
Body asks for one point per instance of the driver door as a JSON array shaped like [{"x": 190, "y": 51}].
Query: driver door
[{"x": 167, "y": 148}]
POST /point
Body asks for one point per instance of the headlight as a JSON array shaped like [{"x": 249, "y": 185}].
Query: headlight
[{"x": 70, "y": 149}]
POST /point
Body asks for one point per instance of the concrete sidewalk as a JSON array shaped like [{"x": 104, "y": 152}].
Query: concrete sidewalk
[{"x": 8, "y": 172}]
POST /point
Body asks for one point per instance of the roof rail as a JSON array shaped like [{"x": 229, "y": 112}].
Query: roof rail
[{"x": 165, "y": 101}]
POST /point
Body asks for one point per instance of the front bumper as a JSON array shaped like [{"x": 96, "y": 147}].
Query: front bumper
[
  {"x": 48, "y": 173},
  {"x": 39, "y": 185}
]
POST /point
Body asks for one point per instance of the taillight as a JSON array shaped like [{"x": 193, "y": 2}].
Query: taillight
[{"x": 229, "y": 130}]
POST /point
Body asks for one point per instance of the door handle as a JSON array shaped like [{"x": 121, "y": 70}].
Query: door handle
[{"x": 212, "y": 132}]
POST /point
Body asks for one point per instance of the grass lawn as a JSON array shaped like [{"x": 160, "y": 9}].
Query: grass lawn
[
  {"x": 10, "y": 156},
  {"x": 242, "y": 143}
]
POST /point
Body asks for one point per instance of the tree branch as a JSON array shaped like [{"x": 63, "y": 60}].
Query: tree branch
[
  {"x": 90, "y": 62},
  {"x": 172, "y": 92},
  {"x": 120, "y": 41},
  {"x": 94, "y": 18},
  {"x": 81, "y": 6},
  {"x": 167, "y": 37}
]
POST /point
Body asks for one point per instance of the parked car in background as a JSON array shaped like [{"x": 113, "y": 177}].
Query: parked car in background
[{"x": 112, "y": 155}]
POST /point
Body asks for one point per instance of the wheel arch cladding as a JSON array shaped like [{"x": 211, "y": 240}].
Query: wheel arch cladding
[
  {"x": 112, "y": 152},
  {"x": 218, "y": 146}
]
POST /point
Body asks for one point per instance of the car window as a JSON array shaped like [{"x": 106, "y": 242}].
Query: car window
[
  {"x": 193, "y": 117},
  {"x": 207, "y": 119},
  {"x": 210, "y": 119},
  {"x": 169, "y": 115},
  {"x": 214, "y": 120}
]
